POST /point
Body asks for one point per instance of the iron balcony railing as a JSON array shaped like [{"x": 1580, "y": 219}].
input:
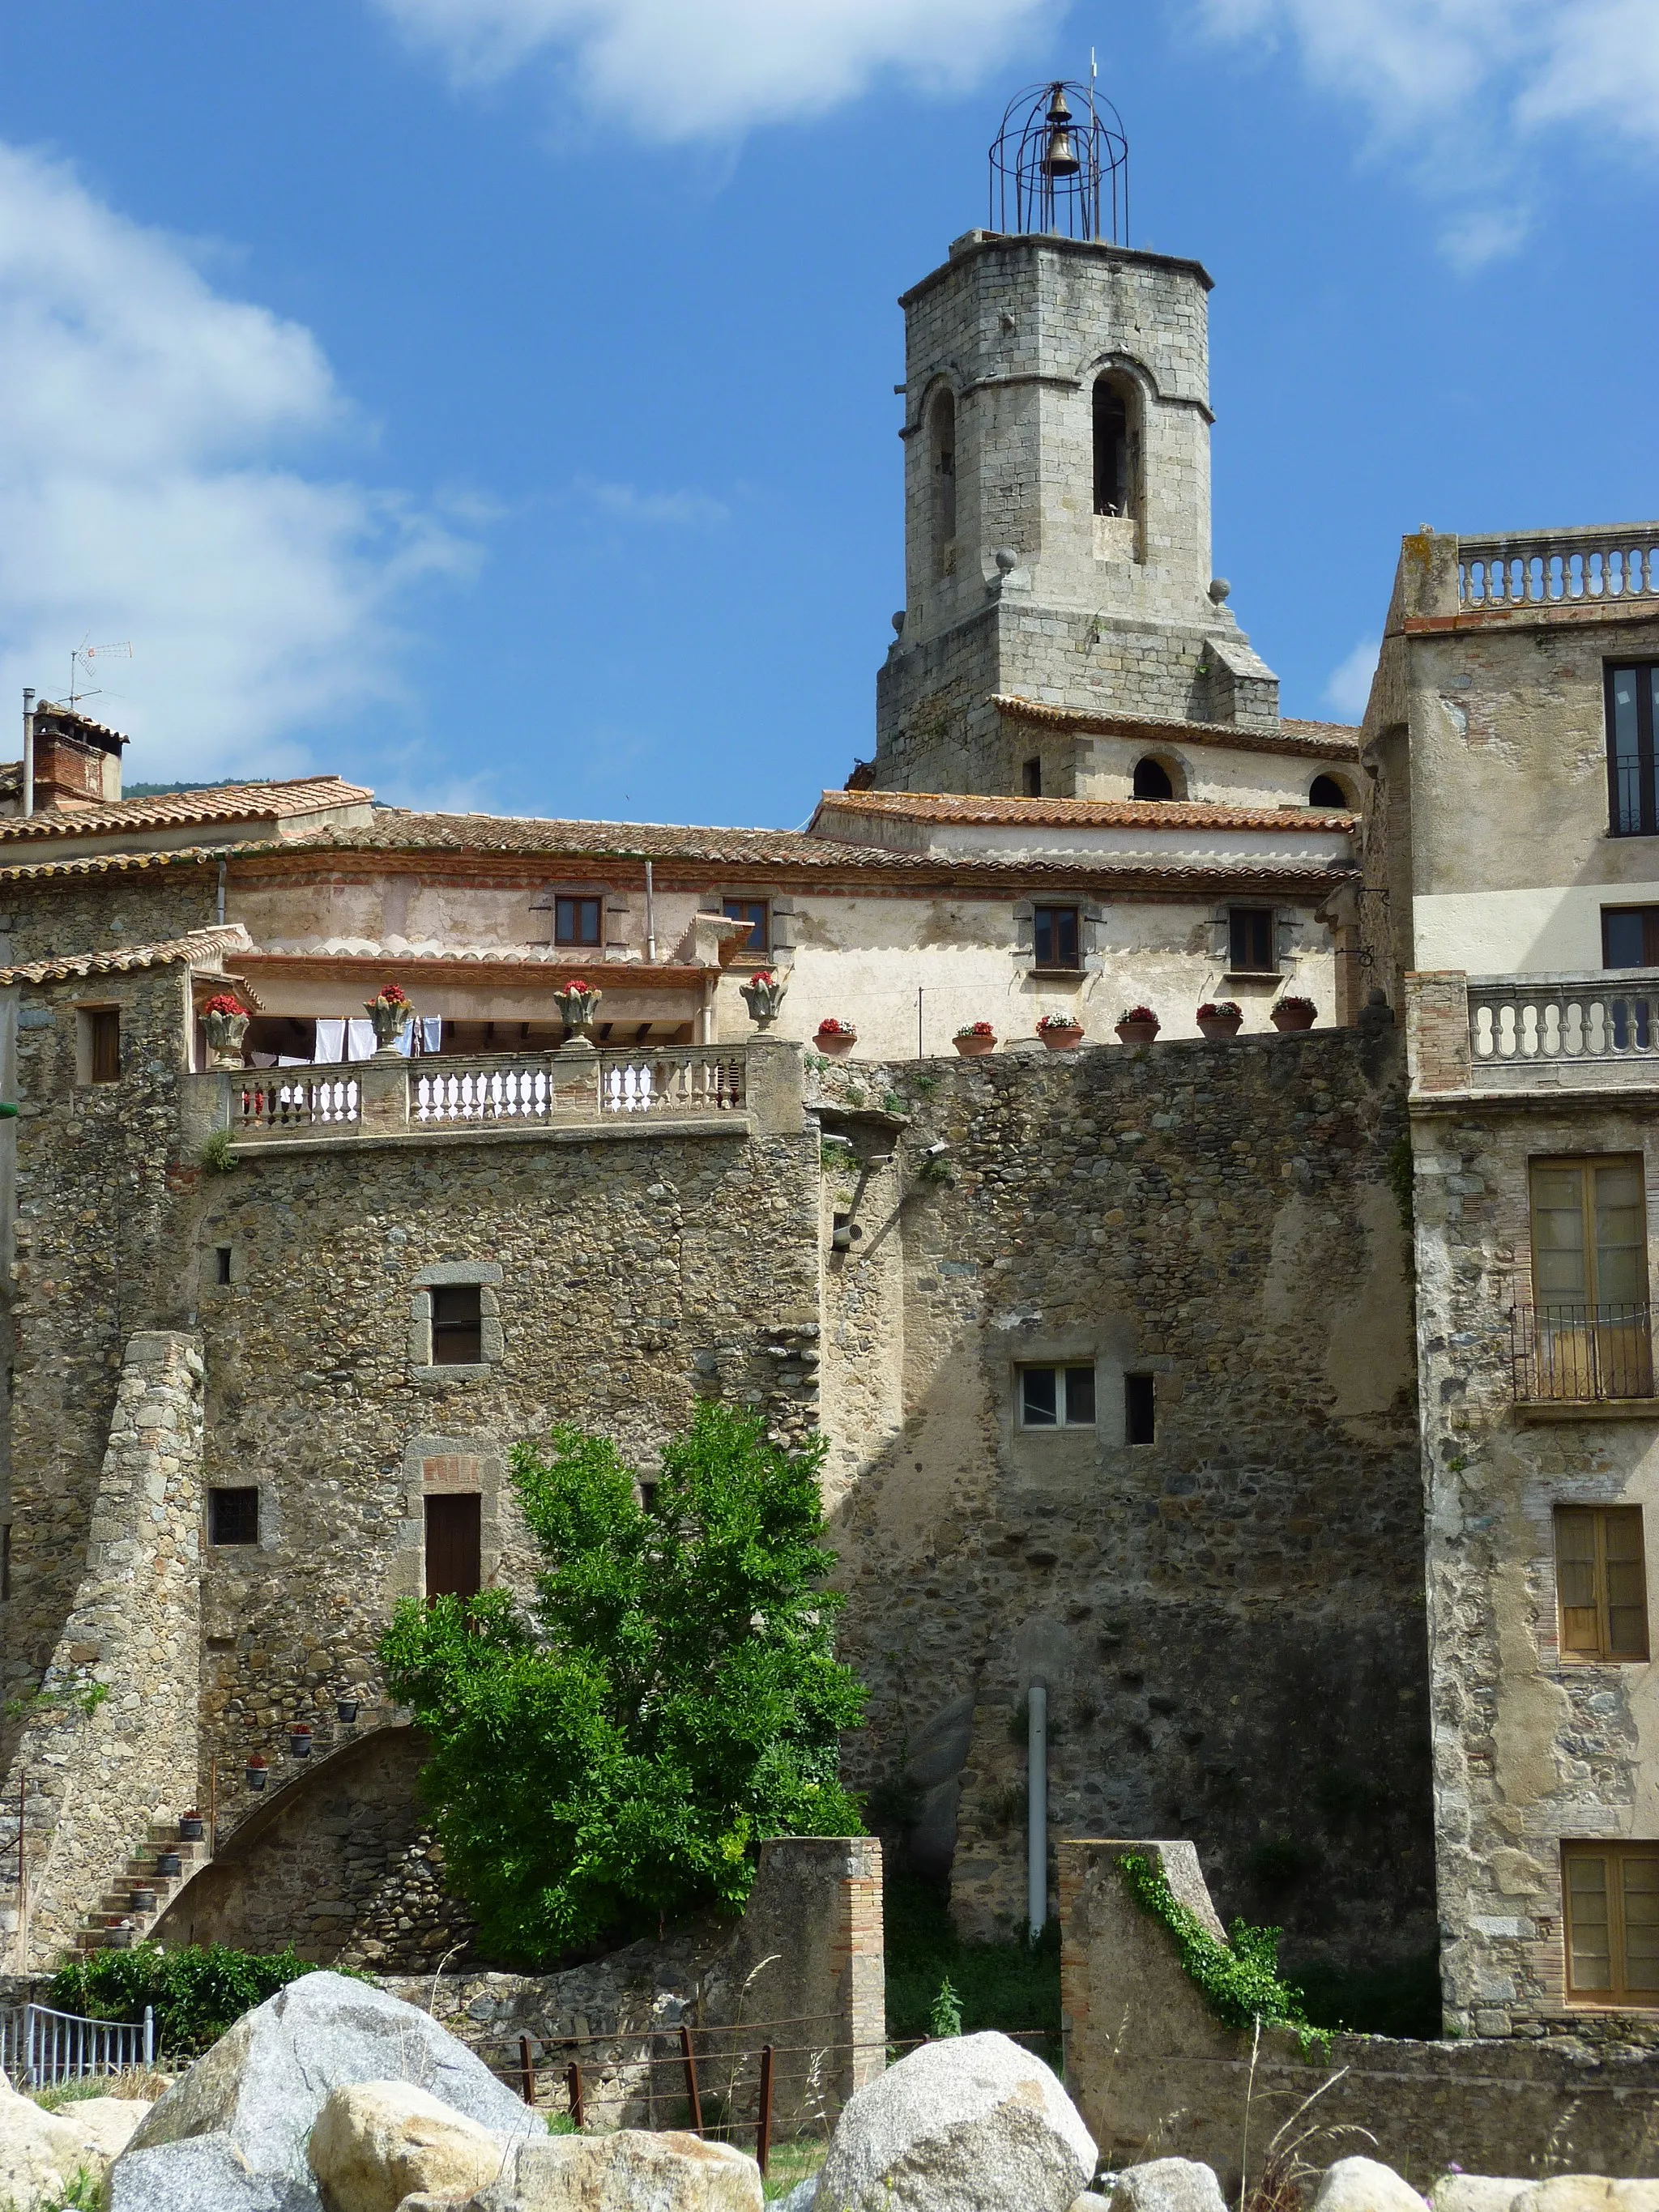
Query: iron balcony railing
[
  {"x": 1580, "y": 1353},
  {"x": 40, "y": 2049}
]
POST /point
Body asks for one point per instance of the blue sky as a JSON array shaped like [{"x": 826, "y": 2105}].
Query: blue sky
[{"x": 491, "y": 399}]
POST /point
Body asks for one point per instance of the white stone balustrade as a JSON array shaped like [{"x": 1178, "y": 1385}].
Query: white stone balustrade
[
  {"x": 1524, "y": 1031},
  {"x": 1543, "y": 568}
]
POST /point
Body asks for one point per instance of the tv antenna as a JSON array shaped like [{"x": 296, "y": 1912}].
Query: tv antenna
[{"x": 80, "y": 664}]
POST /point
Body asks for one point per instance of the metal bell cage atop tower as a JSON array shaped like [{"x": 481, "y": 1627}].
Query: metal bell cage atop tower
[{"x": 1059, "y": 172}]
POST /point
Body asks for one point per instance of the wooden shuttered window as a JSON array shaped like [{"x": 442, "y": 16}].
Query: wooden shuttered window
[
  {"x": 1589, "y": 1278},
  {"x": 1601, "y": 1580},
  {"x": 1612, "y": 1898},
  {"x": 454, "y": 1558},
  {"x": 104, "y": 1044}
]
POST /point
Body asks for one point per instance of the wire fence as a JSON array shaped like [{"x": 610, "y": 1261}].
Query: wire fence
[
  {"x": 755, "y": 2084},
  {"x": 40, "y": 2049}
]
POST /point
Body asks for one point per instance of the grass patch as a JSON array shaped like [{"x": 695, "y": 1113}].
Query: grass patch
[
  {"x": 1401, "y": 2000},
  {"x": 1012, "y": 1985},
  {"x": 134, "y": 2085},
  {"x": 789, "y": 2165}
]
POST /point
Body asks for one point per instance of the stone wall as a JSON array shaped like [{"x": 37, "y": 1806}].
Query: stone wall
[
  {"x": 109, "y": 1742},
  {"x": 1221, "y": 1218},
  {"x": 1155, "y": 2073}
]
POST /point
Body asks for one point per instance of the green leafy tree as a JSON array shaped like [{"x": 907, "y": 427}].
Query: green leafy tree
[{"x": 618, "y": 1752}]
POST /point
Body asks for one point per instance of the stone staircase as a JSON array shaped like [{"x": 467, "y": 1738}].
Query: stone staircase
[{"x": 139, "y": 1895}]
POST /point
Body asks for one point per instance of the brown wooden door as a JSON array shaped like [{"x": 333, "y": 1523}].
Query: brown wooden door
[{"x": 454, "y": 1560}]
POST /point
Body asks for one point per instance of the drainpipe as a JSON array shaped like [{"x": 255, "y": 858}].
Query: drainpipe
[
  {"x": 1036, "y": 1792},
  {"x": 28, "y": 750},
  {"x": 220, "y": 910},
  {"x": 650, "y": 919}
]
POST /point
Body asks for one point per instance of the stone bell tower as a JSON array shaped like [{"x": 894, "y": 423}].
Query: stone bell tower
[{"x": 1057, "y": 474}]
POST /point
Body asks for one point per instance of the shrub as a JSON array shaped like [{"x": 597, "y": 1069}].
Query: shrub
[
  {"x": 196, "y": 1992},
  {"x": 617, "y": 1753},
  {"x": 1240, "y": 1978}
]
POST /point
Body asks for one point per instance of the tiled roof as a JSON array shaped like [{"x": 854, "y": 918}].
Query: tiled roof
[
  {"x": 1305, "y": 740},
  {"x": 1080, "y": 813},
  {"x": 108, "y": 864},
  {"x": 393, "y": 831},
  {"x": 241, "y": 802},
  {"x": 199, "y": 948}
]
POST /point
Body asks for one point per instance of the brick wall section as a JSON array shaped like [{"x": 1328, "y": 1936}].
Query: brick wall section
[
  {"x": 94, "y": 1780},
  {"x": 1155, "y": 2074},
  {"x": 1438, "y": 1058}
]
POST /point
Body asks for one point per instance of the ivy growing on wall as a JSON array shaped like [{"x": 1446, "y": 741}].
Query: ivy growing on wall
[{"x": 1240, "y": 1979}]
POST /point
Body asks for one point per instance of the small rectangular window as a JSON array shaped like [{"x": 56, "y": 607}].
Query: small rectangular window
[
  {"x": 1056, "y": 1397},
  {"x": 1054, "y": 936},
  {"x": 104, "y": 1045},
  {"x": 1139, "y": 1409},
  {"x": 222, "y": 1264},
  {"x": 757, "y": 915},
  {"x": 1030, "y": 776},
  {"x": 1250, "y": 948},
  {"x": 233, "y": 1515},
  {"x": 457, "y": 1326},
  {"x": 1630, "y": 937},
  {"x": 1601, "y": 1581},
  {"x": 1610, "y": 1894},
  {"x": 1632, "y": 697},
  {"x": 577, "y": 921}
]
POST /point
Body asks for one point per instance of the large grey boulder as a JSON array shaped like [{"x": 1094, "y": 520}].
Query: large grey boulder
[
  {"x": 970, "y": 2124},
  {"x": 630, "y": 2170},
  {"x": 205, "y": 2173},
  {"x": 1363, "y": 2184},
  {"x": 1167, "y": 2185},
  {"x": 267, "y": 2078},
  {"x": 1587, "y": 2192},
  {"x": 377, "y": 2143}
]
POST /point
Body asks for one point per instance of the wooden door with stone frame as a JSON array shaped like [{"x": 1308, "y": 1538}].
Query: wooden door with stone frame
[{"x": 1590, "y": 1260}]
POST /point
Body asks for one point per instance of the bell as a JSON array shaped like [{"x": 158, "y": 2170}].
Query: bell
[{"x": 1059, "y": 159}]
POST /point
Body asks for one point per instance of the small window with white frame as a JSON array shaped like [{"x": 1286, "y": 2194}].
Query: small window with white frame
[{"x": 1057, "y": 1397}]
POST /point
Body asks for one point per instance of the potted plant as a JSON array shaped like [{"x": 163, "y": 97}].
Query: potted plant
[
  {"x": 1220, "y": 1018},
  {"x": 1293, "y": 1013},
  {"x": 299, "y": 1741},
  {"x": 578, "y": 1003},
  {"x": 974, "y": 1039},
  {"x": 347, "y": 1709},
  {"x": 225, "y": 1019},
  {"x": 836, "y": 1038},
  {"x": 256, "y": 1773},
  {"x": 190, "y": 1827},
  {"x": 391, "y": 1012},
  {"x": 143, "y": 1900},
  {"x": 1138, "y": 1025},
  {"x": 764, "y": 994},
  {"x": 168, "y": 1865},
  {"x": 1061, "y": 1032}
]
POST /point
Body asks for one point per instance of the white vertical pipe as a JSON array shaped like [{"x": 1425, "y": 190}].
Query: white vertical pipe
[
  {"x": 650, "y": 919},
  {"x": 1036, "y": 1817},
  {"x": 28, "y": 750}
]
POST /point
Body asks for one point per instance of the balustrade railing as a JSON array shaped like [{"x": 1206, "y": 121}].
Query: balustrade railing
[
  {"x": 446, "y": 1092},
  {"x": 295, "y": 1098},
  {"x": 1580, "y": 1353},
  {"x": 1545, "y": 567},
  {"x": 1516, "y": 1024}
]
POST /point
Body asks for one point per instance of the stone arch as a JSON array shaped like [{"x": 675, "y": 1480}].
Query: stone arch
[
  {"x": 1159, "y": 775},
  {"x": 1329, "y": 790},
  {"x": 332, "y": 1862}
]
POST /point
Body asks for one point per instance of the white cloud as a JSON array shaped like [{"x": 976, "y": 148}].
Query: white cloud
[
  {"x": 1349, "y": 686},
  {"x": 676, "y": 70},
  {"x": 1460, "y": 90},
  {"x": 147, "y": 490},
  {"x": 678, "y": 509}
]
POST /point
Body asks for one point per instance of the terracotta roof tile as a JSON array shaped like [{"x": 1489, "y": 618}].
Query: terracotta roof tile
[
  {"x": 242, "y": 802},
  {"x": 1303, "y": 740},
  {"x": 1081, "y": 813},
  {"x": 199, "y": 947}
]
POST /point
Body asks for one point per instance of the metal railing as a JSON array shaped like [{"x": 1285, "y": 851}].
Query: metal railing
[
  {"x": 295, "y": 1098},
  {"x": 1516, "y": 1023},
  {"x": 41, "y": 2049},
  {"x": 1580, "y": 1353},
  {"x": 1547, "y": 566}
]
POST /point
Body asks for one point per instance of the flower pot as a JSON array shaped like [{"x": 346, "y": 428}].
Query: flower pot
[
  {"x": 225, "y": 1033},
  {"x": 168, "y": 1865},
  {"x": 763, "y": 996},
  {"x": 190, "y": 1828},
  {"x": 256, "y": 1775},
  {"x": 347, "y": 1709},
  {"x": 1285, "y": 1017},
  {"x": 1137, "y": 1032},
  {"x": 1217, "y": 1026},
  {"x": 144, "y": 1900},
  {"x": 975, "y": 1047},
  {"x": 391, "y": 1017},
  {"x": 836, "y": 1042},
  {"x": 1063, "y": 1040},
  {"x": 118, "y": 1939},
  {"x": 299, "y": 1743},
  {"x": 576, "y": 1010}
]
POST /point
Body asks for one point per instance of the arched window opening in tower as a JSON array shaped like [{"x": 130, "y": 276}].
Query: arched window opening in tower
[
  {"x": 1326, "y": 791},
  {"x": 1115, "y": 444},
  {"x": 944, "y": 443},
  {"x": 1152, "y": 780}
]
